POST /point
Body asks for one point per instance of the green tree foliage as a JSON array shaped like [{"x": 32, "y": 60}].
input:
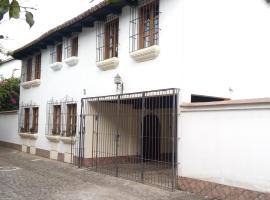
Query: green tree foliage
[
  {"x": 13, "y": 8},
  {"x": 9, "y": 94}
]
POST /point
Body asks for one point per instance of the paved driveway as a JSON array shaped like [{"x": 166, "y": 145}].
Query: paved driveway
[{"x": 39, "y": 178}]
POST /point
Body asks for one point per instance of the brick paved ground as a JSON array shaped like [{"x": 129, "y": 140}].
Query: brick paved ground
[{"x": 39, "y": 178}]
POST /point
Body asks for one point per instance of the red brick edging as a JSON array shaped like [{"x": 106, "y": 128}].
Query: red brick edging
[{"x": 219, "y": 191}]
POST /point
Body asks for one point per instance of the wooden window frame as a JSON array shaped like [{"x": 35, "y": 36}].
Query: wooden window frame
[
  {"x": 74, "y": 46},
  {"x": 151, "y": 9},
  {"x": 71, "y": 126},
  {"x": 26, "y": 123},
  {"x": 29, "y": 69},
  {"x": 111, "y": 38},
  {"x": 59, "y": 52},
  {"x": 56, "y": 120},
  {"x": 37, "y": 66},
  {"x": 35, "y": 119}
]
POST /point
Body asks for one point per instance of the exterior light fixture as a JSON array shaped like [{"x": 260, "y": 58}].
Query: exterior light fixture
[{"x": 119, "y": 84}]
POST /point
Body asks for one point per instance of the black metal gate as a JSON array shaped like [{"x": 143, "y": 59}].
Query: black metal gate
[{"x": 133, "y": 136}]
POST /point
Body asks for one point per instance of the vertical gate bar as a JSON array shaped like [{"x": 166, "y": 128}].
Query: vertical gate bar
[
  {"x": 117, "y": 136},
  {"x": 142, "y": 137},
  {"x": 173, "y": 140},
  {"x": 80, "y": 137},
  {"x": 93, "y": 134},
  {"x": 97, "y": 123}
]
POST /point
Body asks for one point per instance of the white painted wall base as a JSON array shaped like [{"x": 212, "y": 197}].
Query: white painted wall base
[
  {"x": 24, "y": 148},
  {"x": 33, "y": 150},
  {"x": 67, "y": 158},
  {"x": 53, "y": 155}
]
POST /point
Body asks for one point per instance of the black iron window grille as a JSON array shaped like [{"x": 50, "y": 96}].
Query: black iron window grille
[
  {"x": 62, "y": 117},
  {"x": 28, "y": 118},
  {"x": 107, "y": 38},
  {"x": 71, "y": 47},
  {"x": 56, "y": 53},
  {"x": 31, "y": 69},
  {"x": 144, "y": 25}
]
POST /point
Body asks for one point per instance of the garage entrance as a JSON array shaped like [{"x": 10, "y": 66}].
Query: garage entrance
[{"x": 133, "y": 136}]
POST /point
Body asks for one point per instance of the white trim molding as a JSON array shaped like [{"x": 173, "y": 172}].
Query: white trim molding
[
  {"x": 35, "y": 82},
  {"x": 26, "y": 85},
  {"x": 71, "y": 61},
  {"x": 56, "y": 66},
  {"x": 29, "y": 135},
  {"x": 68, "y": 140},
  {"x": 107, "y": 64},
  {"x": 146, "y": 54},
  {"x": 53, "y": 138}
]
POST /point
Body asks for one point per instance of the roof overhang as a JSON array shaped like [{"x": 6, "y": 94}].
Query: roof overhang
[{"x": 86, "y": 19}]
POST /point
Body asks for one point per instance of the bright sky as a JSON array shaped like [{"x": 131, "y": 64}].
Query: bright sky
[{"x": 49, "y": 14}]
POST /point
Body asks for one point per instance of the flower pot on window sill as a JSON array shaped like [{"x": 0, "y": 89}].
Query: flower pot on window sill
[
  {"x": 35, "y": 82},
  {"x": 146, "y": 54},
  {"x": 68, "y": 140},
  {"x": 107, "y": 64},
  {"x": 53, "y": 138},
  {"x": 72, "y": 61},
  {"x": 56, "y": 66},
  {"x": 29, "y": 135},
  {"x": 26, "y": 85}
]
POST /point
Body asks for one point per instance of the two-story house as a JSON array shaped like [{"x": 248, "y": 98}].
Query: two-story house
[{"x": 92, "y": 89}]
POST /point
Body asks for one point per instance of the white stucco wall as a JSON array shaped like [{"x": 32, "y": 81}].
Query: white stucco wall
[
  {"x": 6, "y": 68},
  {"x": 228, "y": 145},
  {"x": 226, "y": 44}
]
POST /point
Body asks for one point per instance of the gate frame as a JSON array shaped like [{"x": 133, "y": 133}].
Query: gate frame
[{"x": 174, "y": 129}]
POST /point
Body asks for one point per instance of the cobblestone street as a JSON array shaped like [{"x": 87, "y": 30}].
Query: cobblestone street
[{"x": 24, "y": 176}]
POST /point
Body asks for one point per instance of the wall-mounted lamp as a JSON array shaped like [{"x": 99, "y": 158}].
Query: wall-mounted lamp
[{"x": 119, "y": 84}]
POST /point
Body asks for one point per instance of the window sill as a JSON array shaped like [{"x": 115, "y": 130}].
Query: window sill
[
  {"x": 68, "y": 140},
  {"x": 72, "y": 61},
  {"x": 29, "y": 84},
  {"x": 107, "y": 64},
  {"x": 53, "y": 138},
  {"x": 56, "y": 66},
  {"x": 32, "y": 136},
  {"x": 26, "y": 85},
  {"x": 146, "y": 54}
]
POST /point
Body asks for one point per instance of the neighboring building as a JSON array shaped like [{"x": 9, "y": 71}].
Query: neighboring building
[
  {"x": 72, "y": 108},
  {"x": 10, "y": 67}
]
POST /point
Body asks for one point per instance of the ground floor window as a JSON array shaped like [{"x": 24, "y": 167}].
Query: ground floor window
[
  {"x": 61, "y": 118},
  {"x": 28, "y": 118}
]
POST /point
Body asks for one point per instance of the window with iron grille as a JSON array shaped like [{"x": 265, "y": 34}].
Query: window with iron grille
[
  {"x": 32, "y": 68},
  {"x": 107, "y": 38},
  {"x": 71, "y": 47},
  {"x": 28, "y": 118},
  {"x": 56, "y": 53},
  {"x": 144, "y": 25},
  {"x": 61, "y": 118},
  {"x": 71, "y": 119}
]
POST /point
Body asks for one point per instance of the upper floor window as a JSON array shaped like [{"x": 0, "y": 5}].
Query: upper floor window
[
  {"x": 56, "y": 53},
  {"x": 32, "y": 68},
  {"x": 71, "y": 47},
  {"x": 144, "y": 25},
  {"x": 28, "y": 119},
  {"x": 107, "y": 38}
]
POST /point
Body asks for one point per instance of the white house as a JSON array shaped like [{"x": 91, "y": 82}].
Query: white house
[
  {"x": 10, "y": 67},
  {"x": 93, "y": 90}
]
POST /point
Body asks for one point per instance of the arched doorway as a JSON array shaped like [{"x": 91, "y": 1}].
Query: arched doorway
[{"x": 151, "y": 138}]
